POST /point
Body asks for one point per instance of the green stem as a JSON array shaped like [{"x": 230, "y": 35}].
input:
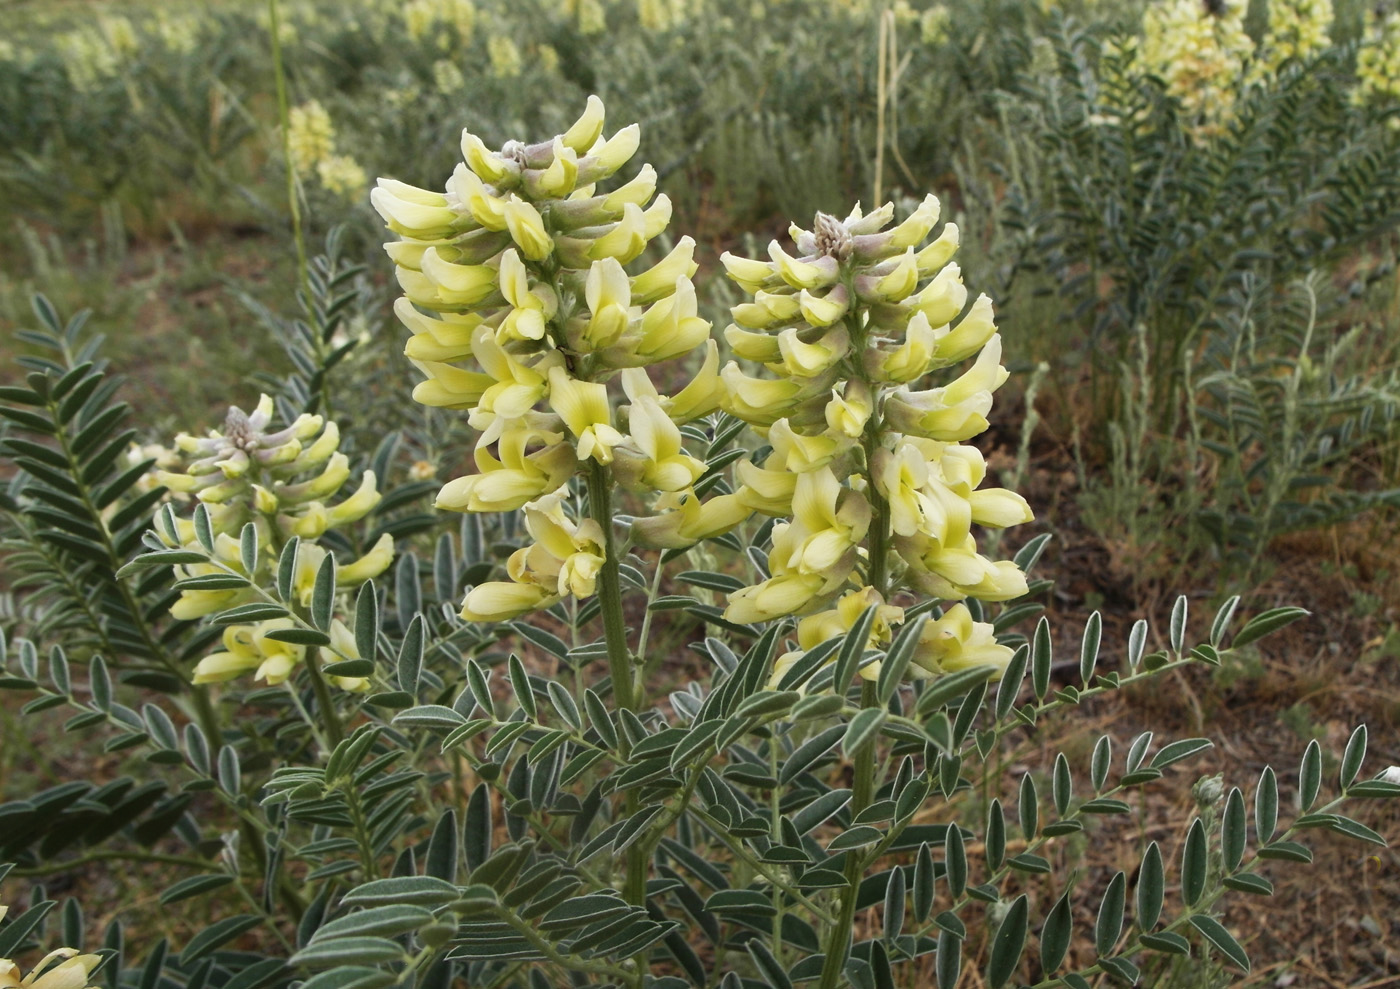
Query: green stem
[
  {"x": 51, "y": 868},
  {"x": 610, "y": 589},
  {"x": 335, "y": 732},
  {"x": 279, "y": 76},
  {"x": 863, "y": 787}
]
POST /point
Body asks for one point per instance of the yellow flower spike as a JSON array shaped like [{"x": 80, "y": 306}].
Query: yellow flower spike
[
  {"x": 359, "y": 504},
  {"x": 672, "y": 326},
  {"x": 585, "y": 131},
  {"x": 956, "y": 642},
  {"x": 369, "y": 566},
  {"x": 608, "y": 293},
  {"x": 638, "y": 191},
  {"x": 702, "y": 394},
  {"x": 750, "y": 275},
  {"x": 659, "y": 280},
  {"x": 759, "y": 401},
  {"x": 662, "y": 465},
  {"x": 499, "y": 601},
  {"x": 999, "y": 508},
  {"x": 526, "y": 228},
  {"x": 761, "y": 348},
  {"x": 807, "y": 360},
  {"x": 939, "y": 251},
  {"x": 461, "y": 284},
  {"x": 626, "y": 240},
  {"x": 583, "y": 405},
  {"x": 911, "y": 360},
  {"x": 943, "y": 298},
  {"x": 449, "y": 387},
  {"x": 847, "y": 414},
  {"x": 516, "y": 478},
  {"x": 913, "y": 230},
  {"x": 690, "y": 520},
  {"x": 826, "y": 310},
  {"x": 803, "y": 274},
  {"x": 486, "y": 164},
  {"x": 413, "y": 212},
  {"x": 606, "y": 157},
  {"x": 970, "y": 335}
]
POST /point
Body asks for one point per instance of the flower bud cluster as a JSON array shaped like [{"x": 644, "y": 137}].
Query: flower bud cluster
[
  {"x": 867, "y": 469},
  {"x": 284, "y": 483},
  {"x": 523, "y": 314}
]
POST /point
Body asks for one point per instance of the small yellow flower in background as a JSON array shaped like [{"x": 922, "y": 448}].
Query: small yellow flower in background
[
  {"x": 310, "y": 135},
  {"x": 447, "y": 77},
  {"x": 341, "y": 175},
  {"x": 506, "y": 62},
  {"x": 934, "y": 24},
  {"x": 179, "y": 33},
  {"x": 424, "y": 18},
  {"x": 1378, "y": 62},
  {"x": 1199, "y": 50},
  {"x": 588, "y": 16},
  {"x": 71, "y": 971},
  {"x": 547, "y": 58},
  {"x": 119, "y": 34},
  {"x": 1298, "y": 29}
]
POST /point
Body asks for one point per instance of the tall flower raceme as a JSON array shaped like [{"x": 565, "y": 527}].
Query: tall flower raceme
[
  {"x": 868, "y": 473},
  {"x": 1298, "y": 29},
  {"x": 1378, "y": 61},
  {"x": 287, "y": 484},
  {"x": 524, "y": 316},
  {"x": 1199, "y": 48}
]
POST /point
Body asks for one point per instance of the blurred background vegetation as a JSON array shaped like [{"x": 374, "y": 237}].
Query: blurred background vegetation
[{"x": 1201, "y": 309}]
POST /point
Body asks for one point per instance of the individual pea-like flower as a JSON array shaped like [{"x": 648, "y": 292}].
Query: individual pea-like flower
[
  {"x": 955, "y": 642},
  {"x": 255, "y": 649},
  {"x": 63, "y": 968},
  {"x": 815, "y": 629},
  {"x": 868, "y": 473},
  {"x": 524, "y": 314}
]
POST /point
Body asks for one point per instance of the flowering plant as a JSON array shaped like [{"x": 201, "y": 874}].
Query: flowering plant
[{"x": 499, "y": 796}]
